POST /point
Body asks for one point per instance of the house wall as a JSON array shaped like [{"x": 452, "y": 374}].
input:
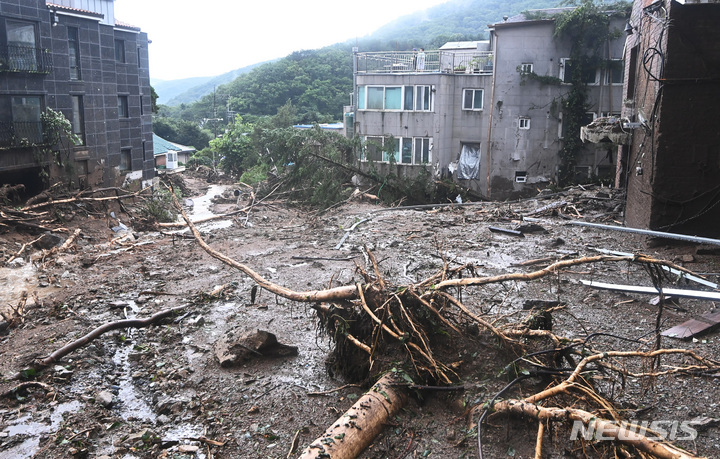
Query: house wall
[
  {"x": 674, "y": 163},
  {"x": 102, "y": 80},
  {"x": 534, "y": 151}
]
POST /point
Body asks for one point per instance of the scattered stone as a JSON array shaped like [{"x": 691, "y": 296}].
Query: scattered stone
[
  {"x": 163, "y": 419},
  {"x": 47, "y": 241},
  {"x": 238, "y": 346},
  {"x": 62, "y": 373},
  {"x": 104, "y": 398},
  {"x": 17, "y": 262},
  {"x": 188, "y": 448}
]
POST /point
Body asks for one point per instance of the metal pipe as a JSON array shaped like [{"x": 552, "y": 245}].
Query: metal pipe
[{"x": 679, "y": 237}]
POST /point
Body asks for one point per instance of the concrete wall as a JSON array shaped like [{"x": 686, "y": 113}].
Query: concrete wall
[{"x": 674, "y": 161}]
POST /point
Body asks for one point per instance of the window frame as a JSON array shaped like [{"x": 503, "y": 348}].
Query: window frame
[
  {"x": 526, "y": 67},
  {"x": 74, "y": 53},
  {"x": 524, "y": 123},
  {"x": 566, "y": 77},
  {"x": 120, "y": 55},
  {"x": 413, "y": 98},
  {"x": 78, "y": 117},
  {"x": 125, "y": 164},
  {"x": 409, "y": 151},
  {"x": 473, "y": 99},
  {"x": 612, "y": 66},
  {"x": 123, "y": 107}
]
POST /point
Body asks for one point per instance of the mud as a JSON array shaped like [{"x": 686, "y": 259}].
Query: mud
[{"x": 169, "y": 392}]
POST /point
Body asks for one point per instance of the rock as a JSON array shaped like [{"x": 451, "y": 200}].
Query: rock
[
  {"x": 17, "y": 262},
  {"x": 188, "y": 448},
  {"x": 163, "y": 419},
  {"x": 47, "y": 241},
  {"x": 104, "y": 398},
  {"x": 236, "y": 347}
]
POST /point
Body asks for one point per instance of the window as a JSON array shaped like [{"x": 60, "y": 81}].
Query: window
[
  {"x": 567, "y": 67},
  {"x": 524, "y": 123},
  {"x": 21, "y": 46},
  {"x": 393, "y": 98},
  {"x": 74, "y": 53},
  {"x": 587, "y": 118},
  {"x": 520, "y": 176},
  {"x": 373, "y": 149},
  {"x": 126, "y": 159},
  {"x": 375, "y": 98},
  {"x": 26, "y": 119},
  {"x": 423, "y": 98},
  {"x": 78, "y": 118},
  {"x": 123, "y": 107},
  {"x": 402, "y": 150},
  {"x": 139, "y": 55},
  {"x": 120, "y": 51},
  {"x": 422, "y": 150},
  {"x": 418, "y": 98},
  {"x": 526, "y": 67},
  {"x": 614, "y": 72},
  {"x": 472, "y": 99}
]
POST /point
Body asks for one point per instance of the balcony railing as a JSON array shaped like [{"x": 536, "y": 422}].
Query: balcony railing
[
  {"x": 18, "y": 134},
  {"x": 479, "y": 62},
  {"x": 25, "y": 59}
]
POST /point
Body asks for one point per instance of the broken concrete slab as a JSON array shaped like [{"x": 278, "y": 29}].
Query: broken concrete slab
[{"x": 239, "y": 346}]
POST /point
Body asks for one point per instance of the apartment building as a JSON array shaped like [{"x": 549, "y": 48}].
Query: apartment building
[
  {"x": 76, "y": 58},
  {"x": 489, "y": 114}
]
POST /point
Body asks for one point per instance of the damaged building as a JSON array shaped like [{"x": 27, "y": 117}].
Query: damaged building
[
  {"x": 671, "y": 94},
  {"x": 74, "y": 58},
  {"x": 489, "y": 114}
]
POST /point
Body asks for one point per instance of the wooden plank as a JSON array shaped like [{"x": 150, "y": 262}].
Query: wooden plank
[{"x": 689, "y": 329}]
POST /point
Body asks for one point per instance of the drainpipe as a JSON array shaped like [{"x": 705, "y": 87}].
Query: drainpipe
[{"x": 493, "y": 34}]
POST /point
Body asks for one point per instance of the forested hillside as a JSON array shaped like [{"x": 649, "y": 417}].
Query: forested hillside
[{"x": 318, "y": 82}]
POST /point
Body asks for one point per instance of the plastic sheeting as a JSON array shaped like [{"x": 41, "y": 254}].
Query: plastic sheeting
[{"x": 469, "y": 165}]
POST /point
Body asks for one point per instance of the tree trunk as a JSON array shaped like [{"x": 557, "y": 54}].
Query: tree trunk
[{"x": 357, "y": 428}]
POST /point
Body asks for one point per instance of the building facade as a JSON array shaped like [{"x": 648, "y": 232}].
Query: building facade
[
  {"x": 73, "y": 57},
  {"x": 671, "y": 92},
  {"x": 488, "y": 114}
]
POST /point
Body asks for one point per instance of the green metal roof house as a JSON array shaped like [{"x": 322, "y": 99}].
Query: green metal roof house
[{"x": 170, "y": 156}]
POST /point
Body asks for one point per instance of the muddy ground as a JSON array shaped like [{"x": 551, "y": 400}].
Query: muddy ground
[{"x": 160, "y": 391}]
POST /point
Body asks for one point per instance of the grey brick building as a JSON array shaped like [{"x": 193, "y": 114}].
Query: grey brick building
[
  {"x": 472, "y": 111},
  {"x": 74, "y": 57}
]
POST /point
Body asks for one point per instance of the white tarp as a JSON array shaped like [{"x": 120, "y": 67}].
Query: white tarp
[{"x": 469, "y": 165}]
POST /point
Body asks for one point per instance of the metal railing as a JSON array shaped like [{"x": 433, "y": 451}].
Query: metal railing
[
  {"x": 18, "y": 134},
  {"x": 25, "y": 59},
  {"x": 479, "y": 62}
]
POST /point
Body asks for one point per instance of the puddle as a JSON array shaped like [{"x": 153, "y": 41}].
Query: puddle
[
  {"x": 13, "y": 281},
  {"x": 132, "y": 406},
  {"x": 25, "y": 426},
  {"x": 201, "y": 210}
]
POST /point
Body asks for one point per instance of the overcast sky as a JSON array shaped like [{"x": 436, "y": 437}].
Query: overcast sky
[{"x": 211, "y": 37}]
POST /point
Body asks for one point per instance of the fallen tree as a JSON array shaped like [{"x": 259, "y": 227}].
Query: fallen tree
[{"x": 356, "y": 429}]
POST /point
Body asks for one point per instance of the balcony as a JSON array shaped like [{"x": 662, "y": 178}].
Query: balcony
[
  {"x": 24, "y": 59},
  {"x": 22, "y": 134},
  {"x": 479, "y": 62}
]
